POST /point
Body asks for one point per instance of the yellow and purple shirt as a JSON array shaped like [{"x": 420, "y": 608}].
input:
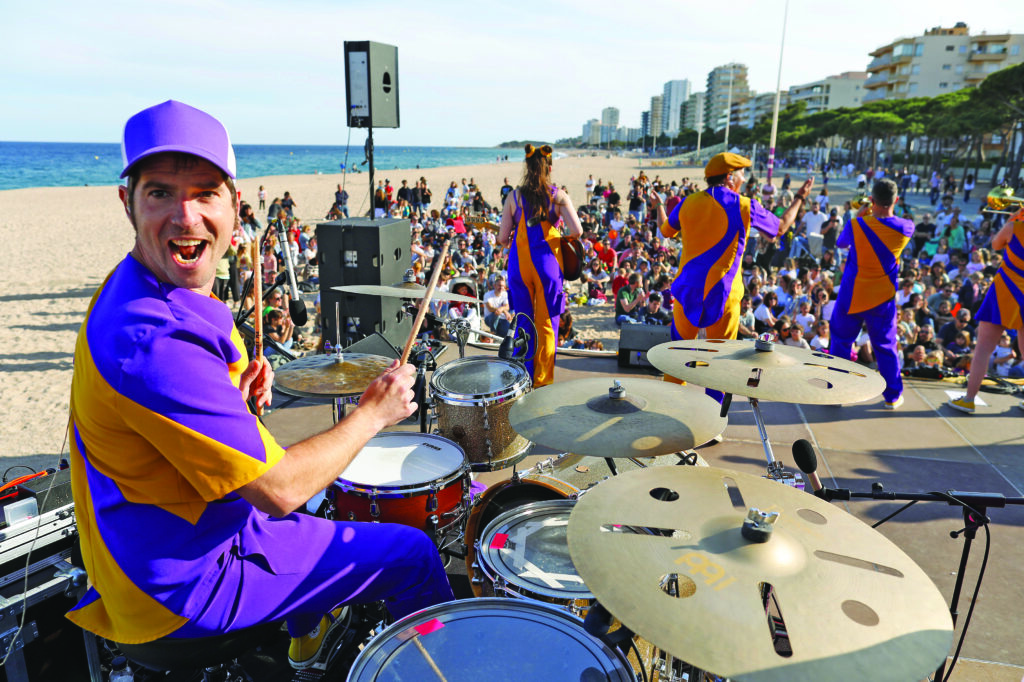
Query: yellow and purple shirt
[
  {"x": 869, "y": 278},
  {"x": 713, "y": 227},
  {"x": 160, "y": 440}
]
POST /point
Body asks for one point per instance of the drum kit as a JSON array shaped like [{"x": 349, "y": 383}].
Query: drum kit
[{"x": 663, "y": 572}]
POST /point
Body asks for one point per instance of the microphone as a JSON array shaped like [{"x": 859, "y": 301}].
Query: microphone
[
  {"x": 296, "y": 306},
  {"x": 803, "y": 455},
  {"x": 507, "y": 349}
]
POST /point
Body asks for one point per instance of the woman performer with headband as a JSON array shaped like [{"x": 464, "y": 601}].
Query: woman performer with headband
[
  {"x": 529, "y": 228},
  {"x": 1000, "y": 309}
]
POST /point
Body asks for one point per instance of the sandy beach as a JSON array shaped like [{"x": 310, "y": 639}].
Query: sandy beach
[{"x": 63, "y": 241}]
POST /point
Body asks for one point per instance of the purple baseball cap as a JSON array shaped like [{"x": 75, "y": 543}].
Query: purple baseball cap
[{"x": 176, "y": 127}]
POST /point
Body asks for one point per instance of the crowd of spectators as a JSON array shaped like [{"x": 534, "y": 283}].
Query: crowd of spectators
[{"x": 791, "y": 283}]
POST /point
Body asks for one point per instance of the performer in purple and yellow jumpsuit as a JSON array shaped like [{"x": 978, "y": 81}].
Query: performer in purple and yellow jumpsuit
[
  {"x": 529, "y": 227},
  {"x": 1001, "y": 308},
  {"x": 867, "y": 292},
  {"x": 185, "y": 502},
  {"x": 712, "y": 226}
]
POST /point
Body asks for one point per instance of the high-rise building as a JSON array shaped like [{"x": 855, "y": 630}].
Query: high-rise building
[
  {"x": 610, "y": 117},
  {"x": 645, "y": 123},
  {"x": 592, "y": 132},
  {"x": 748, "y": 112},
  {"x": 693, "y": 112},
  {"x": 657, "y": 122},
  {"x": 674, "y": 95},
  {"x": 726, "y": 83},
  {"x": 844, "y": 90},
  {"x": 940, "y": 61}
]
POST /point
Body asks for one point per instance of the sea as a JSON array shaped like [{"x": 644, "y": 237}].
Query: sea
[{"x": 74, "y": 164}]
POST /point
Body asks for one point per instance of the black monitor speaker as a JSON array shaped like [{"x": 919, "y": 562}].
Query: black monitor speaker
[
  {"x": 371, "y": 84},
  {"x": 363, "y": 251}
]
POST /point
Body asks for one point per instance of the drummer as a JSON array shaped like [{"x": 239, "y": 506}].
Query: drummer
[
  {"x": 185, "y": 503},
  {"x": 713, "y": 227}
]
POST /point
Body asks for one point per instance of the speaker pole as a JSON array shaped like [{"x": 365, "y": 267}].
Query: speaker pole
[{"x": 369, "y": 157}]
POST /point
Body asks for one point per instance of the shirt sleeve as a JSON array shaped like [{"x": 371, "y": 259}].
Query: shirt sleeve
[
  {"x": 845, "y": 239},
  {"x": 763, "y": 220},
  {"x": 180, "y": 395},
  {"x": 670, "y": 228}
]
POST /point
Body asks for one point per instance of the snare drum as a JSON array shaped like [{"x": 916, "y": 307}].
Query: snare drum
[
  {"x": 473, "y": 397},
  {"x": 456, "y": 641},
  {"x": 416, "y": 479},
  {"x": 500, "y": 498}
]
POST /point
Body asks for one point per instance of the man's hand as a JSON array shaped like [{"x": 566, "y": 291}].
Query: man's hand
[
  {"x": 256, "y": 382},
  {"x": 390, "y": 398}
]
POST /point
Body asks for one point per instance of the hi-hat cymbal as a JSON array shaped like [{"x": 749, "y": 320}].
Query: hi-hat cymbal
[
  {"x": 649, "y": 418},
  {"x": 854, "y": 605},
  {"x": 785, "y": 373},
  {"x": 329, "y": 375},
  {"x": 403, "y": 290}
]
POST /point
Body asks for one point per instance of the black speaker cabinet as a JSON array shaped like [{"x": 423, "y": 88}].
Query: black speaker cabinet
[
  {"x": 636, "y": 339},
  {"x": 371, "y": 84},
  {"x": 363, "y": 251}
]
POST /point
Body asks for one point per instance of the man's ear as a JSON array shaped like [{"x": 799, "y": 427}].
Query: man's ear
[{"x": 122, "y": 193}]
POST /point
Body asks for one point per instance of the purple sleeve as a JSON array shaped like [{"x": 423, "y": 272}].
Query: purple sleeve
[
  {"x": 845, "y": 239},
  {"x": 762, "y": 219}
]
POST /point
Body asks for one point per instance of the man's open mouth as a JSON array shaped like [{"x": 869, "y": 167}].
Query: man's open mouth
[{"x": 187, "y": 251}]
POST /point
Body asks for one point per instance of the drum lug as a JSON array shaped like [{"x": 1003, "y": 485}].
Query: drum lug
[
  {"x": 432, "y": 498},
  {"x": 374, "y": 507},
  {"x": 487, "y": 423}
]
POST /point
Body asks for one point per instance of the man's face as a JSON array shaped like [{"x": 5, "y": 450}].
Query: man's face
[{"x": 183, "y": 219}]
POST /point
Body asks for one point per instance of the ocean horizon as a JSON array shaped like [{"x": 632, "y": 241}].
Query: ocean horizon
[{"x": 77, "y": 164}]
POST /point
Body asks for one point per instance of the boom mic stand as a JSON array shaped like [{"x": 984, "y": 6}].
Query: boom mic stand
[
  {"x": 974, "y": 507},
  {"x": 296, "y": 306}
]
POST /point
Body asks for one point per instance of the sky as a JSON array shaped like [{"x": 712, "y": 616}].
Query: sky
[{"x": 470, "y": 74}]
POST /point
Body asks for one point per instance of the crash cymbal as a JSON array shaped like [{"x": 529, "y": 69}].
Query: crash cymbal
[
  {"x": 649, "y": 418},
  {"x": 403, "y": 290},
  {"x": 329, "y": 375},
  {"x": 785, "y": 373},
  {"x": 854, "y": 605}
]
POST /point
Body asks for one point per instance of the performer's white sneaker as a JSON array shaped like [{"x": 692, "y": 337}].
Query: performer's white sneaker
[{"x": 894, "y": 404}]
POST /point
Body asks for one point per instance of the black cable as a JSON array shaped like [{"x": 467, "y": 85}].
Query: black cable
[{"x": 17, "y": 466}]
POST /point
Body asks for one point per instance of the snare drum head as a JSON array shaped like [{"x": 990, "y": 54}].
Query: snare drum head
[
  {"x": 459, "y": 639},
  {"x": 478, "y": 378},
  {"x": 527, "y": 547},
  {"x": 403, "y": 460}
]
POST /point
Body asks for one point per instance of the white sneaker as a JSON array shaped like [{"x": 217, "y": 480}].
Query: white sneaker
[{"x": 894, "y": 404}]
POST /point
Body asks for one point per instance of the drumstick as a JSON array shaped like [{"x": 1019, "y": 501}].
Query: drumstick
[
  {"x": 425, "y": 303},
  {"x": 429, "y": 658},
  {"x": 257, "y": 283}
]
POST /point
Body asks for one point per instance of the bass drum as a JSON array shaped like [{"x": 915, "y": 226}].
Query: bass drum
[{"x": 500, "y": 498}]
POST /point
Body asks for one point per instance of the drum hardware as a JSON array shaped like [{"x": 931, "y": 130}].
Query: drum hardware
[
  {"x": 847, "y": 598},
  {"x": 770, "y": 371}
]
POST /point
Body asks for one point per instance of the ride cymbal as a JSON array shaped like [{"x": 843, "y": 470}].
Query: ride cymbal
[
  {"x": 587, "y": 417},
  {"x": 846, "y": 603},
  {"x": 784, "y": 373},
  {"x": 329, "y": 375}
]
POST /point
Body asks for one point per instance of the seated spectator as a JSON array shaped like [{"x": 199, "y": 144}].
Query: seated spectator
[
  {"x": 949, "y": 331},
  {"x": 629, "y": 302},
  {"x": 957, "y": 353},
  {"x": 464, "y": 311},
  {"x": 747, "y": 327},
  {"x": 497, "y": 314},
  {"x": 652, "y": 313},
  {"x": 764, "y": 314},
  {"x": 1002, "y": 357},
  {"x": 796, "y": 337},
  {"x": 821, "y": 336}
]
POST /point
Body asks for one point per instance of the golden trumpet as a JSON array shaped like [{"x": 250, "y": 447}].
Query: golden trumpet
[
  {"x": 1002, "y": 200},
  {"x": 859, "y": 201}
]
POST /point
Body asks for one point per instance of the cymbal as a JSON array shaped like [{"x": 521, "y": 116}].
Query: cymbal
[
  {"x": 855, "y": 606},
  {"x": 786, "y": 373},
  {"x": 328, "y": 375},
  {"x": 650, "y": 418},
  {"x": 403, "y": 290}
]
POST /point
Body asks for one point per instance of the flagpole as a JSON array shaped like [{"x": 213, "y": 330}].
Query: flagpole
[{"x": 778, "y": 96}]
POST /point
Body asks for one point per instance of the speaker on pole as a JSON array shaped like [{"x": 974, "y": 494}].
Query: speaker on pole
[{"x": 371, "y": 84}]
